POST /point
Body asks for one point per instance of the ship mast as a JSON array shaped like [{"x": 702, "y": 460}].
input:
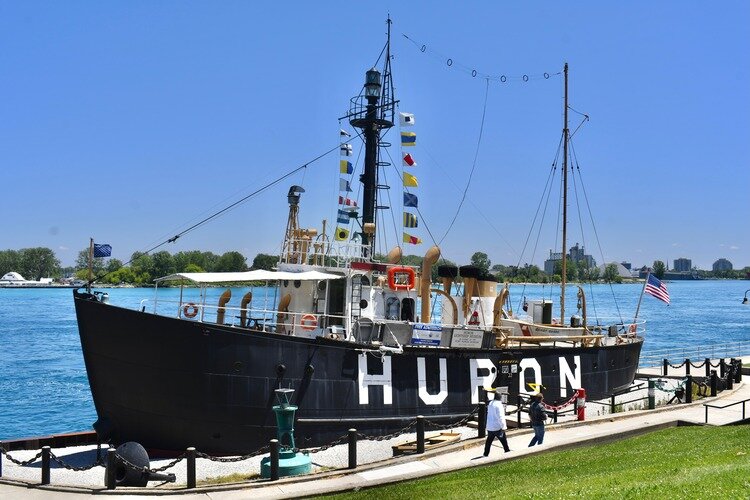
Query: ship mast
[
  {"x": 367, "y": 114},
  {"x": 565, "y": 202}
]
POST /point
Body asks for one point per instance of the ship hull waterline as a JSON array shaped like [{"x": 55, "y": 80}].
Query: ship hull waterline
[{"x": 171, "y": 383}]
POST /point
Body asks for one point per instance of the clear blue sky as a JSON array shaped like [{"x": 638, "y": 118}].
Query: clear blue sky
[{"x": 126, "y": 121}]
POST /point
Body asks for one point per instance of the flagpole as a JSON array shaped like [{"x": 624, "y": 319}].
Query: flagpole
[
  {"x": 641, "y": 297},
  {"x": 91, "y": 264}
]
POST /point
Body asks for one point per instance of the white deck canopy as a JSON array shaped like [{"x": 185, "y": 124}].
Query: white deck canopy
[{"x": 258, "y": 275}]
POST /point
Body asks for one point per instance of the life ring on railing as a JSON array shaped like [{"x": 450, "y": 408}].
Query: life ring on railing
[
  {"x": 308, "y": 322},
  {"x": 411, "y": 278},
  {"x": 190, "y": 310},
  {"x": 633, "y": 328}
]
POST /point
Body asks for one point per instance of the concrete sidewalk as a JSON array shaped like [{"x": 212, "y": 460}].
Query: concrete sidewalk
[{"x": 465, "y": 454}]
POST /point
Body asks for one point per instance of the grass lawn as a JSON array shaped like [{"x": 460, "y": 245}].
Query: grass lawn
[{"x": 681, "y": 462}]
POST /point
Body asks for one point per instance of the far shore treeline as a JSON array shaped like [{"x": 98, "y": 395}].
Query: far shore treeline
[{"x": 142, "y": 269}]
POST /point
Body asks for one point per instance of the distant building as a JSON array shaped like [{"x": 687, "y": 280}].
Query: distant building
[
  {"x": 576, "y": 254},
  {"x": 722, "y": 265},
  {"x": 627, "y": 265},
  {"x": 682, "y": 265},
  {"x": 622, "y": 271}
]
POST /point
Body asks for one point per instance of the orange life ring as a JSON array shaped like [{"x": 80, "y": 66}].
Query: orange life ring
[
  {"x": 190, "y": 310},
  {"x": 308, "y": 322},
  {"x": 411, "y": 278}
]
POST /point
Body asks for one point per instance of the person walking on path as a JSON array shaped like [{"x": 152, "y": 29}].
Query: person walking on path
[
  {"x": 496, "y": 424},
  {"x": 537, "y": 416}
]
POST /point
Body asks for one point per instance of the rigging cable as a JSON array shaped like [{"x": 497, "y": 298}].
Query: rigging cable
[
  {"x": 548, "y": 192},
  {"x": 474, "y": 164},
  {"x": 596, "y": 233},
  {"x": 224, "y": 210}
]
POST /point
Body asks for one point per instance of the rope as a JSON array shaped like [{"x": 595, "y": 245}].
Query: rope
[{"x": 474, "y": 164}]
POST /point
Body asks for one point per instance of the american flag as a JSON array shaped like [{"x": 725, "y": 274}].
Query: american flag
[{"x": 657, "y": 288}]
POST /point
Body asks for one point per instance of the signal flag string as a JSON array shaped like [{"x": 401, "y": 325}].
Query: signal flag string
[{"x": 502, "y": 78}]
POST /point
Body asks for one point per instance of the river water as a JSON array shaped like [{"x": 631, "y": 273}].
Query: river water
[{"x": 44, "y": 389}]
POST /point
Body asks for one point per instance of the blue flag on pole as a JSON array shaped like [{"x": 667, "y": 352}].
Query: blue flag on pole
[{"x": 102, "y": 250}]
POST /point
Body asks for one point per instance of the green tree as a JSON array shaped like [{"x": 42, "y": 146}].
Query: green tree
[
  {"x": 481, "y": 261},
  {"x": 265, "y": 261},
  {"x": 82, "y": 263},
  {"x": 193, "y": 268},
  {"x": 10, "y": 260},
  {"x": 232, "y": 262},
  {"x": 162, "y": 264},
  {"x": 113, "y": 265},
  {"x": 610, "y": 273},
  {"x": 659, "y": 269},
  {"x": 39, "y": 262}
]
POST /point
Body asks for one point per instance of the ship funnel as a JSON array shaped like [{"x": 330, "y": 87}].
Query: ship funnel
[{"x": 430, "y": 258}]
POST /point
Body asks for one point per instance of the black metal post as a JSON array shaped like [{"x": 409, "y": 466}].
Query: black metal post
[
  {"x": 706, "y": 407},
  {"x": 1, "y": 461},
  {"x": 707, "y": 363},
  {"x": 651, "y": 394},
  {"x": 730, "y": 377},
  {"x": 45, "y": 464},
  {"x": 420, "y": 434},
  {"x": 554, "y": 415},
  {"x": 612, "y": 404},
  {"x": 714, "y": 383},
  {"x": 738, "y": 370},
  {"x": 519, "y": 400},
  {"x": 190, "y": 467},
  {"x": 482, "y": 418},
  {"x": 687, "y": 366},
  {"x": 352, "y": 448},
  {"x": 689, "y": 389},
  {"x": 274, "y": 445},
  {"x": 666, "y": 367},
  {"x": 109, "y": 476},
  {"x": 722, "y": 368}
]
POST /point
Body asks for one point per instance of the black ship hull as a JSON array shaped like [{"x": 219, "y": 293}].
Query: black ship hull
[{"x": 172, "y": 383}]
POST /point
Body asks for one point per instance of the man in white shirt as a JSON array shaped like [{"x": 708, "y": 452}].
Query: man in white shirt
[{"x": 496, "y": 424}]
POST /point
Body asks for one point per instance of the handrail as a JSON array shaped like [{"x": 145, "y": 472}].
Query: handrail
[{"x": 708, "y": 405}]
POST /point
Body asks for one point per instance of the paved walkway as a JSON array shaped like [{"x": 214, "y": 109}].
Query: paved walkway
[{"x": 459, "y": 456}]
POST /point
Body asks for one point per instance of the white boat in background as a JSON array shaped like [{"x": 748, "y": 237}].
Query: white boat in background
[{"x": 15, "y": 280}]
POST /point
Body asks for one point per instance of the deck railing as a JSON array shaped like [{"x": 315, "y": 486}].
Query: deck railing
[{"x": 735, "y": 349}]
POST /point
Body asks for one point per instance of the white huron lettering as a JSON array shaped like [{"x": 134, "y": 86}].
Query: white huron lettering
[
  {"x": 480, "y": 381},
  {"x": 366, "y": 380},
  {"x": 432, "y": 399},
  {"x": 537, "y": 384},
  {"x": 566, "y": 374}
]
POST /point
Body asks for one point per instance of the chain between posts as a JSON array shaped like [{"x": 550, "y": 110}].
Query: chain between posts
[
  {"x": 22, "y": 463},
  {"x": 677, "y": 366},
  {"x": 146, "y": 469},
  {"x": 561, "y": 405},
  {"x": 224, "y": 460},
  {"x": 99, "y": 462}
]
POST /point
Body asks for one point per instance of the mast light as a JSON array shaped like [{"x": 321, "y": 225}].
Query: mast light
[{"x": 372, "y": 83}]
